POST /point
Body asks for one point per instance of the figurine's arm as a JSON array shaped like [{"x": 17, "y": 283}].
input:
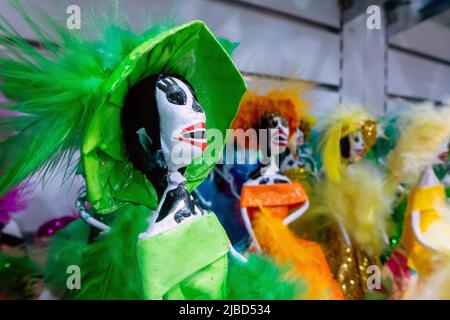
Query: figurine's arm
[
  {"x": 248, "y": 226},
  {"x": 386, "y": 237},
  {"x": 237, "y": 255},
  {"x": 297, "y": 213},
  {"x": 230, "y": 180},
  {"x": 201, "y": 199},
  {"x": 80, "y": 204},
  {"x": 344, "y": 232},
  {"x": 416, "y": 228},
  {"x": 93, "y": 222},
  {"x": 446, "y": 180}
]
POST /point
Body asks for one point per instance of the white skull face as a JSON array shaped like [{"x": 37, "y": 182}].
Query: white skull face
[
  {"x": 279, "y": 133},
  {"x": 182, "y": 122},
  {"x": 299, "y": 137},
  {"x": 442, "y": 152},
  {"x": 357, "y": 146}
]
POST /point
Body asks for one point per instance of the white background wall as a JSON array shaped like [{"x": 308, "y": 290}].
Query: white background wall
[{"x": 289, "y": 38}]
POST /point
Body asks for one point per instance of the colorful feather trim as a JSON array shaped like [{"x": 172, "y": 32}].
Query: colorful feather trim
[
  {"x": 306, "y": 257},
  {"x": 360, "y": 203},
  {"x": 262, "y": 279}
]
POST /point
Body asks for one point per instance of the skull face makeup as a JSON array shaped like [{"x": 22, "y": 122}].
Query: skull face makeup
[
  {"x": 357, "y": 145},
  {"x": 182, "y": 122},
  {"x": 163, "y": 133},
  {"x": 353, "y": 146},
  {"x": 278, "y": 133},
  {"x": 443, "y": 152},
  {"x": 163, "y": 127}
]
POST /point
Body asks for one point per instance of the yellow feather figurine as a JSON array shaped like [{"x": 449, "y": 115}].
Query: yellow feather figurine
[
  {"x": 353, "y": 198},
  {"x": 346, "y": 119},
  {"x": 435, "y": 287},
  {"x": 360, "y": 204}
]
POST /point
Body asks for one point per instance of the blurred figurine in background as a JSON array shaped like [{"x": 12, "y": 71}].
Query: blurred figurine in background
[
  {"x": 270, "y": 201},
  {"x": 423, "y": 255},
  {"x": 352, "y": 199}
]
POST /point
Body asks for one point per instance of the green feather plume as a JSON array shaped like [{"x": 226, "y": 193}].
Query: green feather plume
[
  {"x": 56, "y": 91},
  {"x": 66, "y": 249},
  {"x": 18, "y": 277},
  {"x": 109, "y": 266},
  {"x": 261, "y": 278}
]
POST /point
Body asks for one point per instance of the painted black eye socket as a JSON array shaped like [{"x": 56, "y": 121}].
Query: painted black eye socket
[
  {"x": 177, "y": 97},
  {"x": 278, "y": 122},
  {"x": 280, "y": 180},
  {"x": 356, "y": 138},
  {"x": 174, "y": 93},
  {"x": 275, "y": 123},
  {"x": 197, "y": 107}
]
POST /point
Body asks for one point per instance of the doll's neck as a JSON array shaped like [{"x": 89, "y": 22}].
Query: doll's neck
[
  {"x": 270, "y": 169},
  {"x": 174, "y": 179},
  {"x": 177, "y": 206},
  {"x": 428, "y": 178}
]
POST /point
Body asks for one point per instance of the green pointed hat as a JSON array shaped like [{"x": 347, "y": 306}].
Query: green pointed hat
[{"x": 72, "y": 96}]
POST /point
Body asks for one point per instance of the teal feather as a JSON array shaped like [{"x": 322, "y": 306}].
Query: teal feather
[{"x": 228, "y": 45}]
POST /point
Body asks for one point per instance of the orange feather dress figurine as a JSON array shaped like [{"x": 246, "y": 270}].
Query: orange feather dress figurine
[{"x": 270, "y": 201}]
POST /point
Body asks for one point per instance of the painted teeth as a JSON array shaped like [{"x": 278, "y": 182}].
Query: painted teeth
[{"x": 195, "y": 135}]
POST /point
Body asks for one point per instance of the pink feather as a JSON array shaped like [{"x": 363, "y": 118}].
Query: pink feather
[{"x": 13, "y": 202}]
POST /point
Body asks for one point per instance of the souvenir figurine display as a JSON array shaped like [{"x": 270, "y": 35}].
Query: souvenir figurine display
[
  {"x": 352, "y": 197},
  {"x": 423, "y": 252},
  {"x": 270, "y": 201},
  {"x": 138, "y": 107},
  {"x": 173, "y": 205}
]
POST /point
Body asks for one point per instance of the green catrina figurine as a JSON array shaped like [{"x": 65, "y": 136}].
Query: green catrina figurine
[{"x": 131, "y": 104}]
